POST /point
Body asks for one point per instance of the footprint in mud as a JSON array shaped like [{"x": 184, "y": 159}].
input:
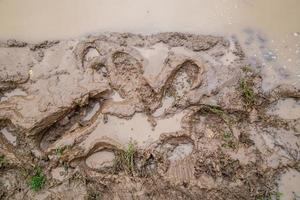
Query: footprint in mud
[
  {"x": 177, "y": 151},
  {"x": 100, "y": 159},
  {"x": 77, "y": 117},
  {"x": 87, "y": 53},
  {"x": 126, "y": 77},
  {"x": 176, "y": 147},
  {"x": 181, "y": 151},
  {"x": 182, "y": 80}
]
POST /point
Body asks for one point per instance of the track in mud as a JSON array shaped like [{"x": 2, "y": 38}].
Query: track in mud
[{"x": 124, "y": 116}]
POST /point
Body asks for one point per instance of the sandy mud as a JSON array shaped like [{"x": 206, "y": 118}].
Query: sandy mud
[{"x": 126, "y": 116}]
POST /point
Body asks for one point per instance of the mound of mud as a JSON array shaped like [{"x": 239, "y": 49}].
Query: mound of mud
[{"x": 124, "y": 116}]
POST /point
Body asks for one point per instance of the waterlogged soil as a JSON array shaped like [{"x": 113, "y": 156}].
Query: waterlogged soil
[{"x": 126, "y": 116}]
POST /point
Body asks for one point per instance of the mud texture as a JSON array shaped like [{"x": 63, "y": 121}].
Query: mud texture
[{"x": 124, "y": 116}]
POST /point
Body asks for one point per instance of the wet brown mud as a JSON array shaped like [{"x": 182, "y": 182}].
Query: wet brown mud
[{"x": 125, "y": 116}]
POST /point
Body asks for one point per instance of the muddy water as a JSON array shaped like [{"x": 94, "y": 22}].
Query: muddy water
[
  {"x": 138, "y": 129},
  {"x": 269, "y": 30}
]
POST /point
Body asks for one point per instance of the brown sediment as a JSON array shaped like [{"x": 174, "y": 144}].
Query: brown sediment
[{"x": 94, "y": 110}]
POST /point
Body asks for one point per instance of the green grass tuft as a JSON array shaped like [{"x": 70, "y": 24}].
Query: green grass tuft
[
  {"x": 247, "y": 92},
  {"x": 38, "y": 180},
  {"x": 216, "y": 110},
  {"x": 59, "y": 151},
  {"x": 125, "y": 160},
  {"x": 228, "y": 141},
  {"x": 3, "y": 161},
  {"x": 129, "y": 156},
  {"x": 279, "y": 195}
]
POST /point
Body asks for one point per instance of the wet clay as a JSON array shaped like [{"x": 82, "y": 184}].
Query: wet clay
[{"x": 126, "y": 116}]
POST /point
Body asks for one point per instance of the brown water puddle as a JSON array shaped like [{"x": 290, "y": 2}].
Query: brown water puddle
[
  {"x": 138, "y": 129},
  {"x": 268, "y": 30}
]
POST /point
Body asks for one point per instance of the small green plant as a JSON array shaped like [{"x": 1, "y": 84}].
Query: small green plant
[
  {"x": 219, "y": 112},
  {"x": 247, "y": 92},
  {"x": 265, "y": 198},
  {"x": 125, "y": 160},
  {"x": 216, "y": 110},
  {"x": 59, "y": 151},
  {"x": 3, "y": 161},
  {"x": 279, "y": 195},
  {"x": 129, "y": 156},
  {"x": 228, "y": 140},
  {"x": 38, "y": 180},
  {"x": 94, "y": 195},
  {"x": 226, "y": 136}
]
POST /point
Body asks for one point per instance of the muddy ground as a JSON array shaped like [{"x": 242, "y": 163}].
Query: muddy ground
[{"x": 124, "y": 116}]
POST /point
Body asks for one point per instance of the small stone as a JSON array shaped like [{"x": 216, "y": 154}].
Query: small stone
[{"x": 30, "y": 72}]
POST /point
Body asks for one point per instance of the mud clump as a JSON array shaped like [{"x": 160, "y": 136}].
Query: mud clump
[{"x": 124, "y": 116}]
